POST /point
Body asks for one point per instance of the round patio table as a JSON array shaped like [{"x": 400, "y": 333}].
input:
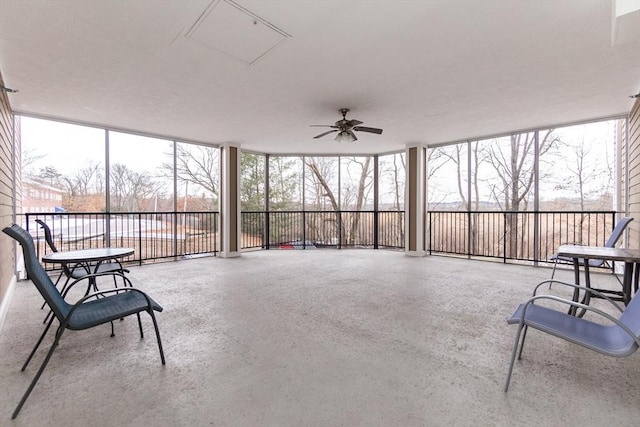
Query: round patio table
[{"x": 88, "y": 259}]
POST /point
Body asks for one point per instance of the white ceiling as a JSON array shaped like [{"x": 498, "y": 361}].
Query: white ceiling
[{"x": 257, "y": 73}]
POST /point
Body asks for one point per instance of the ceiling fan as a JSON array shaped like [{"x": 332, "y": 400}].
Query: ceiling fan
[{"x": 345, "y": 128}]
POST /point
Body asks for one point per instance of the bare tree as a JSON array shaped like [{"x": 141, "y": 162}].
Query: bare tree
[
  {"x": 323, "y": 171},
  {"x": 399, "y": 172},
  {"x": 84, "y": 189},
  {"x": 29, "y": 157},
  {"x": 456, "y": 155},
  {"x": 85, "y": 179},
  {"x": 588, "y": 175},
  {"x": 513, "y": 164},
  {"x": 356, "y": 182},
  {"x": 580, "y": 171},
  {"x": 130, "y": 189},
  {"x": 391, "y": 187},
  {"x": 196, "y": 165},
  {"x": 361, "y": 166},
  {"x": 436, "y": 159}
]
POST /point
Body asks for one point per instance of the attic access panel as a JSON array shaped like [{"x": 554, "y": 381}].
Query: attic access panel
[{"x": 236, "y": 32}]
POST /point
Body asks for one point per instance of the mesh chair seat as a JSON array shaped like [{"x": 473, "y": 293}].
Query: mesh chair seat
[
  {"x": 611, "y": 340},
  {"x": 104, "y": 310}
]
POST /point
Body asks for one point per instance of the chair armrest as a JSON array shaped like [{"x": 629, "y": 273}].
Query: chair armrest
[
  {"x": 580, "y": 288},
  {"x": 578, "y": 305},
  {"x": 94, "y": 275}
]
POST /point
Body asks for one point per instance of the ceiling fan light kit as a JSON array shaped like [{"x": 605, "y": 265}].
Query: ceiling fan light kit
[
  {"x": 345, "y": 128},
  {"x": 346, "y": 137}
]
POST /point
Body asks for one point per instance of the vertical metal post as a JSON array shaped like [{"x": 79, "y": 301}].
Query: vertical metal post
[
  {"x": 304, "y": 197},
  {"x": 627, "y": 177},
  {"x": 504, "y": 237},
  {"x": 425, "y": 195},
  {"x": 430, "y": 232},
  {"x": 626, "y": 168},
  {"x": 267, "y": 203},
  {"x": 14, "y": 178},
  {"x": 376, "y": 212},
  {"x": 469, "y": 214},
  {"x": 175, "y": 201},
  {"x": 339, "y": 213},
  {"x": 140, "y": 236},
  {"x": 304, "y": 180},
  {"x": 107, "y": 190},
  {"x": 536, "y": 199}
]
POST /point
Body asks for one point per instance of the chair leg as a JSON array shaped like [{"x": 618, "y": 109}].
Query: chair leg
[
  {"x": 140, "y": 326},
  {"x": 115, "y": 282},
  {"x": 37, "y": 377},
  {"x": 155, "y": 326},
  {"x": 115, "y": 285},
  {"x": 46, "y": 329},
  {"x": 47, "y": 317},
  {"x": 612, "y": 265},
  {"x": 524, "y": 336},
  {"x": 513, "y": 357},
  {"x": 553, "y": 273}
]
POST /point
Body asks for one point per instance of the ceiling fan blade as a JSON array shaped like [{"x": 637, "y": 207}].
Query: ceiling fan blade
[
  {"x": 353, "y": 135},
  {"x": 353, "y": 122},
  {"x": 323, "y": 126},
  {"x": 366, "y": 129},
  {"x": 325, "y": 133}
]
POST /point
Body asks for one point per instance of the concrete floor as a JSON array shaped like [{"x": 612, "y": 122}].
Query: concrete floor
[{"x": 318, "y": 338}]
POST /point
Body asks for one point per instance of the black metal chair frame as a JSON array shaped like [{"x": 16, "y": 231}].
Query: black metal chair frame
[
  {"x": 77, "y": 271},
  {"x": 91, "y": 310}
]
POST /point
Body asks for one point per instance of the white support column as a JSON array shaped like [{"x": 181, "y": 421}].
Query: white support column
[
  {"x": 230, "y": 220},
  {"x": 415, "y": 201}
]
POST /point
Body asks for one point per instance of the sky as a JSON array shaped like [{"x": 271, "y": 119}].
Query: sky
[{"x": 85, "y": 145}]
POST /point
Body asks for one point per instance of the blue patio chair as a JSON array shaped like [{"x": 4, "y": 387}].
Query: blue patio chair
[
  {"x": 617, "y": 337},
  {"x": 78, "y": 272},
  {"x": 611, "y": 242},
  {"x": 92, "y": 310}
]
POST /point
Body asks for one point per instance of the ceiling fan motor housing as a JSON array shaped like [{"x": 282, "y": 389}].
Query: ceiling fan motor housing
[{"x": 346, "y": 127}]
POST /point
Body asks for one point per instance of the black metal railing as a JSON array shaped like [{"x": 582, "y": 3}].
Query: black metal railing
[
  {"x": 153, "y": 235},
  {"x": 521, "y": 236},
  {"x": 322, "y": 229},
  {"x": 524, "y": 236}
]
